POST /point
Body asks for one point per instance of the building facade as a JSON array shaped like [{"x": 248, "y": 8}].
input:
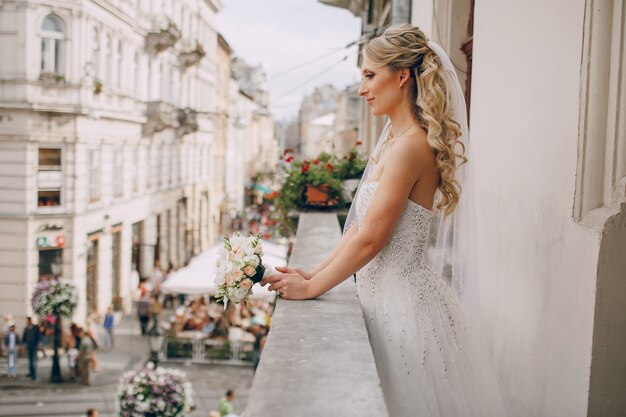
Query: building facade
[{"x": 107, "y": 130}]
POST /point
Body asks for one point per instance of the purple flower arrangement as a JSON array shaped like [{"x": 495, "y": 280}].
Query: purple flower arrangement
[
  {"x": 54, "y": 296},
  {"x": 152, "y": 392}
]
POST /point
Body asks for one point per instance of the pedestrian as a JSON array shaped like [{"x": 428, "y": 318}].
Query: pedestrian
[
  {"x": 72, "y": 356},
  {"x": 92, "y": 412},
  {"x": 85, "y": 354},
  {"x": 156, "y": 308},
  {"x": 74, "y": 329},
  {"x": 108, "y": 324},
  {"x": 226, "y": 406},
  {"x": 143, "y": 312},
  {"x": 11, "y": 343},
  {"x": 31, "y": 339}
]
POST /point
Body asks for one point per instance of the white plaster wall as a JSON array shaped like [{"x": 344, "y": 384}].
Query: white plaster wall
[{"x": 538, "y": 267}]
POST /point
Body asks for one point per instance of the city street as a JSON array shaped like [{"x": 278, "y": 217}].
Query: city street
[{"x": 23, "y": 397}]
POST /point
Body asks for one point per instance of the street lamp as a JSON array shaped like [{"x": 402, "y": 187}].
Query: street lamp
[{"x": 155, "y": 339}]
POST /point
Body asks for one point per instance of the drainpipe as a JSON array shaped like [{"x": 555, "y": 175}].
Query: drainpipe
[{"x": 400, "y": 11}]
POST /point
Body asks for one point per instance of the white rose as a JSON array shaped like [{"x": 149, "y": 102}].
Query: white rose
[
  {"x": 252, "y": 260},
  {"x": 220, "y": 280}
]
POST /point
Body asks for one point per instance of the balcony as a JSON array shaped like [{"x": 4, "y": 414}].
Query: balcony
[
  {"x": 159, "y": 116},
  {"x": 187, "y": 121},
  {"x": 357, "y": 7},
  {"x": 317, "y": 360},
  {"x": 164, "y": 34},
  {"x": 191, "y": 54}
]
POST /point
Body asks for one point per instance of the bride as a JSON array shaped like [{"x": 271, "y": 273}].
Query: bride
[{"x": 428, "y": 357}]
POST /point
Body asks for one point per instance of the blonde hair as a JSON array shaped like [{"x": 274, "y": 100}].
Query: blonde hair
[{"x": 405, "y": 46}]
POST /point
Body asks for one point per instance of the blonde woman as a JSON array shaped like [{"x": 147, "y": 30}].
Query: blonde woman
[{"x": 429, "y": 360}]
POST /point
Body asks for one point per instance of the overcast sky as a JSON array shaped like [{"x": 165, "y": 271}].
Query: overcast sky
[{"x": 282, "y": 34}]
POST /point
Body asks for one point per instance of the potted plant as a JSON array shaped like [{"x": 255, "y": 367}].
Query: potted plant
[
  {"x": 307, "y": 184},
  {"x": 350, "y": 169},
  {"x": 97, "y": 86}
]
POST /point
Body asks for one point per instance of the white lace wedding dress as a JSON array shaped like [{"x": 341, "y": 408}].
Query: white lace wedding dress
[{"x": 429, "y": 362}]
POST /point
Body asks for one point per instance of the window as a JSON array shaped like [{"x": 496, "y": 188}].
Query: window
[
  {"x": 94, "y": 175},
  {"x": 118, "y": 172},
  {"x": 159, "y": 161},
  {"x": 52, "y": 36},
  {"x": 48, "y": 197},
  {"x": 108, "y": 63},
  {"x": 149, "y": 171},
  {"x": 601, "y": 176},
  {"x": 50, "y": 263},
  {"x": 172, "y": 162},
  {"x": 119, "y": 64},
  {"x": 148, "y": 80},
  {"x": 95, "y": 53},
  {"x": 137, "y": 75},
  {"x": 135, "y": 169},
  {"x": 49, "y": 159}
]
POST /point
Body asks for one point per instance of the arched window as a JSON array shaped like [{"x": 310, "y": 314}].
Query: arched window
[{"x": 52, "y": 38}]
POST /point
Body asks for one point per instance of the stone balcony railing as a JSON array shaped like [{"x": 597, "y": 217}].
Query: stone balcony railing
[
  {"x": 191, "y": 54},
  {"x": 159, "y": 116},
  {"x": 164, "y": 34},
  {"x": 317, "y": 360},
  {"x": 187, "y": 121}
]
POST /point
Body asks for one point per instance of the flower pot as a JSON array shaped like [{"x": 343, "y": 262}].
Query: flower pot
[{"x": 319, "y": 196}]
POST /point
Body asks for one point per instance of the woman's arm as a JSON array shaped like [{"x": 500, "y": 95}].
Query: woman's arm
[{"x": 386, "y": 206}]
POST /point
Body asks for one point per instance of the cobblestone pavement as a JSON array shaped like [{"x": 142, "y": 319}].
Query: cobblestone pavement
[{"x": 23, "y": 397}]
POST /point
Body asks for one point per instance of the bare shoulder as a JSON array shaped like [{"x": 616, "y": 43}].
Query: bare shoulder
[{"x": 413, "y": 150}]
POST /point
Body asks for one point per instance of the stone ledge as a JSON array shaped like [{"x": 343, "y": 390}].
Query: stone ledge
[{"x": 317, "y": 360}]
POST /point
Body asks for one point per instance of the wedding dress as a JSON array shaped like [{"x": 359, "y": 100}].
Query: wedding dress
[{"x": 428, "y": 358}]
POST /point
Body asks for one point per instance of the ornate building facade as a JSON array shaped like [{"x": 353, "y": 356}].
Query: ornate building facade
[{"x": 107, "y": 133}]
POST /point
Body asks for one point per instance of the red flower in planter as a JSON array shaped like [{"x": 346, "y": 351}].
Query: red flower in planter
[
  {"x": 316, "y": 161},
  {"x": 329, "y": 166},
  {"x": 287, "y": 150},
  {"x": 289, "y": 159},
  {"x": 358, "y": 142},
  {"x": 305, "y": 168}
]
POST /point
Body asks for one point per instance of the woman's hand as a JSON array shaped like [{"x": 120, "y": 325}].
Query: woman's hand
[
  {"x": 289, "y": 285},
  {"x": 287, "y": 270}
]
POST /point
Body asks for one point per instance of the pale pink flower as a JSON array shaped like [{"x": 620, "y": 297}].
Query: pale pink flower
[
  {"x": 230, "y": 279},
  {"x": 250, "y": 271},
  {"x": 237, "y": 274},
  {"x": 246, "y": 284}
]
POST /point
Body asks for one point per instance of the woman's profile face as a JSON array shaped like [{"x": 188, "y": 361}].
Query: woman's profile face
[{"x": 380, "y": 86}]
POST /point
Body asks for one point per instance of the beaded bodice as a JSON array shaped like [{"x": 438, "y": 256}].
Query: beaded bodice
[{"x": 408, "y": 239}]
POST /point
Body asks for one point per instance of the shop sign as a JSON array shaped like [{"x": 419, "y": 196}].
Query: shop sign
[{"x": 57, "y": 241}]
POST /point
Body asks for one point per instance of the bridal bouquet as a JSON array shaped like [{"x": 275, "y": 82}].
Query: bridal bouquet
[{"x": 239, "y": 266}]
